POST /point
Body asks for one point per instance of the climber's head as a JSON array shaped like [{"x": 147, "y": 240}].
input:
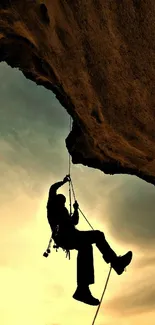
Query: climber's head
[{"x": 61, "y": 199}]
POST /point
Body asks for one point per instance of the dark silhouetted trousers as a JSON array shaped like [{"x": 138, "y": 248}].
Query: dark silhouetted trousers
[{"x": 82, "y": 241}]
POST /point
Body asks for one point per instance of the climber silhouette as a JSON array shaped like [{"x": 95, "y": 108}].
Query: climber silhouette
[{"x": 67, "y": 236}]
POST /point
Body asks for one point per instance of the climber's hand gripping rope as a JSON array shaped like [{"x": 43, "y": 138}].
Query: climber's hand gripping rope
[
  {"x": 66, "y": 179},
  {"x": 75, "y": 205}
]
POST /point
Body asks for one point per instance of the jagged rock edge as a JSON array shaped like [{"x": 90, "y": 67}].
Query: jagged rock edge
[{"x": 112, "y": 167}]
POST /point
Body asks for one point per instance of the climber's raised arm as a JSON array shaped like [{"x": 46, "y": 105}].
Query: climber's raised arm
[{"x": 55, "y": 186}]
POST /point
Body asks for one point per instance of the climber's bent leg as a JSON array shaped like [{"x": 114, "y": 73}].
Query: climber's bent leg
[{"x": 97, "y": 237}]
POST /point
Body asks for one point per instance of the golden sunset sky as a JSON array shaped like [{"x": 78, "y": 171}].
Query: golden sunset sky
[{"x": 38, "y": 291}]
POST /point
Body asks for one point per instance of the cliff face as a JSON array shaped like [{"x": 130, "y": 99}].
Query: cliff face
[{"x": 98, "y": 57}]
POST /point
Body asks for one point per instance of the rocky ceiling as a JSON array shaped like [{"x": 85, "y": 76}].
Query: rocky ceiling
[{"x": 98, "y": 57}]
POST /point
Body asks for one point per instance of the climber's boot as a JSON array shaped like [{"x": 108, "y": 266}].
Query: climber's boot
[
  {"x": 83, "y": 294},
  {"x": 121, "y": 262}
]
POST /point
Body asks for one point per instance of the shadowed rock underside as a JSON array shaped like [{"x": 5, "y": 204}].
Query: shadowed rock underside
[{"x": 98, "y": 57}]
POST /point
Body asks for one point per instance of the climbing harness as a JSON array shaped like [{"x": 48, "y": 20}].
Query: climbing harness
[
  {"x": 55, "y": 246},
  {"x": 48, "y": 250}
]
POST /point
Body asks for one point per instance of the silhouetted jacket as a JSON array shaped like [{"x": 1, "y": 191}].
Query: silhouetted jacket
[{"x": 59, "y": 215}]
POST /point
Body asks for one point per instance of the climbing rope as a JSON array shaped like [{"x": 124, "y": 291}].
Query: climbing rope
[
  {"x": 71, "y": 183},
  {"x": 70, "y": 198},
  {"x": 79, "y": 208},
  {"x": 73, "y": 191},
  {"x": 105, "y": 287},
  {"x": 69, "y": 172}
]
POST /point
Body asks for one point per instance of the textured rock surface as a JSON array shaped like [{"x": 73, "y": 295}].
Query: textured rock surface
[{"x": 98, "y": 57}]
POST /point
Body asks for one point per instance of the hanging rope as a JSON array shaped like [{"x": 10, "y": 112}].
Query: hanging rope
[
  {"x": 70, "y": 198},
  {"x": 69, "y": 172},
  {"x": 79, "y": 208},
  {"x": 105, "y": 287},
  {"x": 72, "y": 187}
]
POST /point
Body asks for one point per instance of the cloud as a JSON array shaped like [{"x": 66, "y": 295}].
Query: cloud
[
  {"x": 137, "y": 301},
  {"x": 28, "y": 101},
  {"x": 131, "y": 208},
  {"x": 33, "y": 128},
  {"x": 57, "y": 290},
  {"x": 147, "y": 261}
]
